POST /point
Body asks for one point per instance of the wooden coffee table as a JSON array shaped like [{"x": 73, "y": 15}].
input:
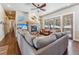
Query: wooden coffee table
[
  {"x": 36, "y": 35},
  {"x": 45, "y": 32}
]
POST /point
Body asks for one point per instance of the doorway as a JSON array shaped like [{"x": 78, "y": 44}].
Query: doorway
[{"x": 11, "y": 25}]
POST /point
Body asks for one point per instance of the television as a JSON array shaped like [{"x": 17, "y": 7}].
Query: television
[
  {"x": 22, "y": 26},
  {"x": 34, "y": 28}
]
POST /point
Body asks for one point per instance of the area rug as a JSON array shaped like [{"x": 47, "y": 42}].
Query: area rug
[{"x": 3, "y": 50}]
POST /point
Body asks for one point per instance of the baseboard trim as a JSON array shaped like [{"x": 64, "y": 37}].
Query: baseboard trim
[
  {"x": 76, "y": 40},
  {"x": 2, "y": 37}
]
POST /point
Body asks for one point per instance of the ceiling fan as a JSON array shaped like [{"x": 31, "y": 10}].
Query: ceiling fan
[{"x": 39, "y": 6}]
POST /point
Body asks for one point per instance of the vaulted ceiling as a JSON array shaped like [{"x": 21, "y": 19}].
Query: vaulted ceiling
[{"x": 28, "y": 7}]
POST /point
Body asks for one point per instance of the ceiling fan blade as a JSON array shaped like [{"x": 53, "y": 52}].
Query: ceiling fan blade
[
  {"x": 42, "y": 9},
  {"x": 34, "y": 5},
  {"x": 43, "y": 5},
  {"x": 39, "y": 7}
]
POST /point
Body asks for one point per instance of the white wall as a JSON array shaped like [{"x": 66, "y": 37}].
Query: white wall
[
  {"x": 1, "y": 25},
  {"x": 75, "y": 10}
]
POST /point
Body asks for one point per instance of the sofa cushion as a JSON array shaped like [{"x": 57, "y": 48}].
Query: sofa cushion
[
  {"x": 40, "y": 42},
  {"x": 58, "y": 35},
  {"x": 28, "y": 37},
  {"x": 64, "y": 33}
]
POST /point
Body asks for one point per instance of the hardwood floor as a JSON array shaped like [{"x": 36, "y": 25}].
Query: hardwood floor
[
  {"x": 13, "y": 49},
  {"x": 73, "y": 47},
  {"x": 10, "y": 40}
]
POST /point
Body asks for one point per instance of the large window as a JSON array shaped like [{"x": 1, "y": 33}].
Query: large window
[
  {"x": 68, "y": 24},
  {"x": 57, "y": 24},
  {"x": 56, "y": 21},
  {"x": 67, "y": 19},
  {"x": 53, "y": 23},
  {"x": 61, "y": 23}
]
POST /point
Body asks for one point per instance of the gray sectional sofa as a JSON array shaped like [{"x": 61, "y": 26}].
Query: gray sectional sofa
[{"x": 54, "y": 44}]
